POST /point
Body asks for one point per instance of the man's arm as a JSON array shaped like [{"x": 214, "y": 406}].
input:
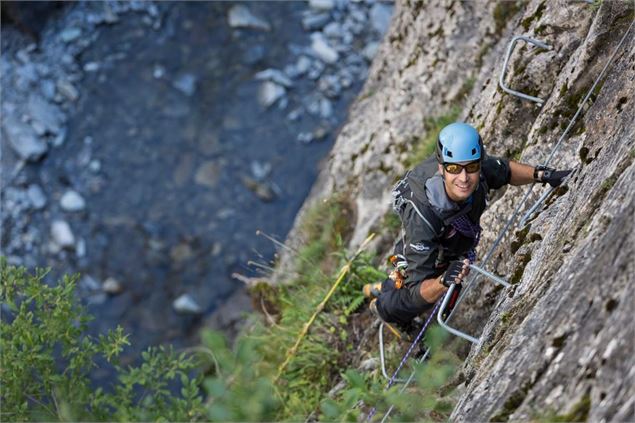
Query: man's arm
[
  {"x": 522, "y": 174},
  {"x": 432, "y": 289}
]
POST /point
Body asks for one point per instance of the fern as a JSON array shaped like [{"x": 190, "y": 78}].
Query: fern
[{"x": 354, "y": 305}]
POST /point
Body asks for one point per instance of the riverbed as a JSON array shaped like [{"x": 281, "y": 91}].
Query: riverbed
[{"x": 162, "y": 137}]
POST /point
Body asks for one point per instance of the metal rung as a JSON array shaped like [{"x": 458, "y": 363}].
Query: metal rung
[
  {"x": 490, "y": 275},
  {"x": 448, "y": 295},
  {"x": 501, "y": 81},
  {"x": 382, "y": 357}
]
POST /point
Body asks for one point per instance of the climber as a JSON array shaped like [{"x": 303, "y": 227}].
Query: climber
[{"x": 440, "y": 203}]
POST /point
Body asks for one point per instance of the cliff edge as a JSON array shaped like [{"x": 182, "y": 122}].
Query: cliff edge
[{"x": 560, "y": 340}]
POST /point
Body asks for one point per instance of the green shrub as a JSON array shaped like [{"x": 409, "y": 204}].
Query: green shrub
[
  {"x": 327, "y": 353},
  {"x": 47, "y": 357},
  {"x": 326, "y": 349},
  {"x": 423, "y": 400},
  {"x": 236, "y": 389}
]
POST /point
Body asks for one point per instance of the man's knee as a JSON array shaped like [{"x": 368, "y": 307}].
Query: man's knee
[
  {"x": 417, "y": 300},
  {"x": 401, "y": 305}
]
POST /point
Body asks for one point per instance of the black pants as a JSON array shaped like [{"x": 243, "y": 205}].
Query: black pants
[{"x": 400, "y": 306}]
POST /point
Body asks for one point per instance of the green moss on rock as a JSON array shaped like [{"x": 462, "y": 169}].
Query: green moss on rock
[
  {"x": 520, "y": 239},
  {"x": 579, "y": 413},
  {"x": 526, "y": 23},
  {"x": 513, "y": 402},
  {"x": 520, "y": 268},
  {"x": 503, "y": 12}
]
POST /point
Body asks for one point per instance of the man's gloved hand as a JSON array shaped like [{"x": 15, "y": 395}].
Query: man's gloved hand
[
  {"x": 455, "y": 273},
  {"x": 551, "y": 176}
]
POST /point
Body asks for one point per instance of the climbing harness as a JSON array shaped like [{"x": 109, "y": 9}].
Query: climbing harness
[
  {"x": 490, "y": 252},
  {"x": 510, "y": 49},
  {"x": 398, "y": 275},
  {"x": 467, "y": 228}
]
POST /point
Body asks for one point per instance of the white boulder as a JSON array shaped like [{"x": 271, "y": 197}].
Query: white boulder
[
  {"x": 241, "y": 17},
  {"x": 62, "y": 234},
  {"x": 71, "y": 201},
  {"x": 185, "y": 304},
  {"x": 322, "y": 49},
  {"x": 269, "y": 93}
]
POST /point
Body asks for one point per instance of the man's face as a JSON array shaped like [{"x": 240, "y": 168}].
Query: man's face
[{"x": 460, "y": 186}]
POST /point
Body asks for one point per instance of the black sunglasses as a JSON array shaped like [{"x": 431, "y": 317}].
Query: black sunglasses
[{"x": 455, "y": 168}]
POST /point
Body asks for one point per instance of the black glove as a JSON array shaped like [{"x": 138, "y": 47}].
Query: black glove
[
  {"x": 551, "y": 176},
  {"x": 453, "y": 272}
]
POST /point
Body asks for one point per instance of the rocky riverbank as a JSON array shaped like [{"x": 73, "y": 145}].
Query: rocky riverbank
[{"x": 144, "y": 143}]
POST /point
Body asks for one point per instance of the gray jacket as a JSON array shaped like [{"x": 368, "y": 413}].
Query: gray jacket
[{"x": 430, "y": 242}]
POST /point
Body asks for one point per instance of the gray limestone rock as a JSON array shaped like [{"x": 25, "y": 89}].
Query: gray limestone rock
[
  {"x": 380, "y": 15},
  {"x": 260, "y": 170},
  {"x": 62, "y": 234},
  {"x": 263, "y": 190},
  {"x": 48, "y": 115},
  {"x": 303, "y": 64},
  {"x": 322, "y": 4},
  {"x": 23, "y": 139},
  {"x": 80, "y": 248},
  {"x": 112, "y": 286},
  {"x": 158, "y": 72},
  {"x": 274, "y": 75},
  {"x": 91, "y": 67},
  {"x": 269, "y": 93},
  {"x": 370, "y": 50},
  {"x": 322, "y": 49},
  {"x": 369, "y": 364},
  {"x": 36, "y": 196},
  {"x": 208, "y": 173},
  {"x": 47, "y": 87},
  {"x": 186, "y": 83},
  {"x": 315, "y": 22},
  {"x": 70, "y": 34},
  {"x": 185, "y": 304},
  {"x": 67, "y": 89},
  {"x": 72, "y": 201},
  {"x": 89, "y": 283},
  {"x": 241, "y": 17}
]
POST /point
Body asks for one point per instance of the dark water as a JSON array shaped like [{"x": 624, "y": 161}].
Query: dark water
[{"x": 148, "y": 222}]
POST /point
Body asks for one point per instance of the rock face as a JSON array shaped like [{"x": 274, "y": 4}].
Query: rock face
[{"x": 560, "y": 341}]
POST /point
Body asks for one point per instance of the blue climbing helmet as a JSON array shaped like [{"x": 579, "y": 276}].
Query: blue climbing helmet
[{"x": 459, "y": 142}]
